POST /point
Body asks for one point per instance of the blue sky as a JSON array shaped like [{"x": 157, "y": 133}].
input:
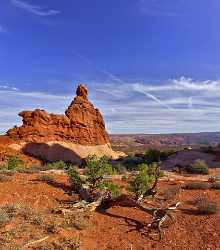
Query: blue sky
[{"x": 152, "y": 66}]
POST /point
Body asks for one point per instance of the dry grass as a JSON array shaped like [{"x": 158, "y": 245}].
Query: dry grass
[
  {"x": 78, "y": 220},
  {"x": 171, "y": 193},
  {"x": 205, "y": 206},
  {"x": 197, "y": 185},
  {"x": 45, "y": 178},
  {"x": 4, "y": 178}
]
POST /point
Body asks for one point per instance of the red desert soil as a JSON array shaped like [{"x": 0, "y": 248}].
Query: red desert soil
[{"x": 118, "y": 227}]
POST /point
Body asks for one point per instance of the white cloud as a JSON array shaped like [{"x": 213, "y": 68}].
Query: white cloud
[
  {"x": 6, "y": 87},
  {"x": 193, "y": 105},
  {"x": 34, "y": 9}
]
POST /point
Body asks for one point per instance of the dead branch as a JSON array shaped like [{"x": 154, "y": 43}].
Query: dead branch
[{"x": 36, "y": 241}]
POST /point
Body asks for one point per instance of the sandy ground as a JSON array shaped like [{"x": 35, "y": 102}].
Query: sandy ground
[{"x": 120, "y": 228}]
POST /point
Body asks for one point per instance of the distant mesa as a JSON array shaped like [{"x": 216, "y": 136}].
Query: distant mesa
[{"x": 70, "y": 137}]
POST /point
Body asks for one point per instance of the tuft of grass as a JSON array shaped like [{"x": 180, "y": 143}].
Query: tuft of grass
[
  {"x": 171, "y": 193},
  {"x": 57, "y": 165},
  {"x": 205, "y": 206},
  {"x": 7, "y": 172},
  {"x": 45, "y": 178},
  {"x": 12, "y": 209},
  {"x": 4, "y": 178},
  {"x": 78, "y": 220},
  {"x": 4, "y": 217},
  {"x": 197, "y": 185},
  {"x": 197, "y": 167},
  {"x": 14, "y": 162}
]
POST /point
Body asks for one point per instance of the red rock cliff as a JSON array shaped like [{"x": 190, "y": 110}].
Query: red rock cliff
[{"x": 81, "y": 124}]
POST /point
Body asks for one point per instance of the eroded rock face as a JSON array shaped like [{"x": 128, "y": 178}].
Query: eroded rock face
[{"x": 82, "y": 124}]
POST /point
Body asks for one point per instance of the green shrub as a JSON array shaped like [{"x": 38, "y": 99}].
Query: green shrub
[
  {"x": 96, "y": 169},
  {"x": 57, "y": 165},
  {"x": 144, "y": 179},
  {"x": 75, "y": 179},
  {"x": 45, "y": 178},
  {"x": 114, "y": 189},
  {"x": 198, "y": 167},
  {"x": 197, "y": 185},
  {"x": 14, "y": 163},
  {"x": 132, "y": 162},
  {"x": 152, "y": 155}
]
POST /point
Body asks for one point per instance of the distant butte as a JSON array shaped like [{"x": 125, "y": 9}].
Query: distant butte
[{"x": 82, "y": 125}]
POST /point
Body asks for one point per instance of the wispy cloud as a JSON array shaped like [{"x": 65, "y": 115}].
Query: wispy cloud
[
  {"x": 34, "y": 9},
  {"x": 161, "y": 7},
  {"x": 1, "y": 29},
  {"x": 6, "y": 87},
  {"x": 178, "y": 105}
]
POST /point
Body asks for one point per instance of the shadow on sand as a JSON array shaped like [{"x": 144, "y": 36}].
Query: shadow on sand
[{"x": 51, "y": 153}]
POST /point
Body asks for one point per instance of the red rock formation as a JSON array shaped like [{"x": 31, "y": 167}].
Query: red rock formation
[{"x": 81, "y": 124}]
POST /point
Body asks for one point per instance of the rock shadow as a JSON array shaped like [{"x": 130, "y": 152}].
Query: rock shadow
[{"x": 51, "y": 153}]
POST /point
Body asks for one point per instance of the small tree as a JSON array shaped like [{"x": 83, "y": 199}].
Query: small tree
[
  {"x": 13, "y": 162},
  {"x": 96, "y": 169},
  {"x": 75, "y": 179},
  {"x": 145, "y": 181},
  {"x": 152, "y": 155}
]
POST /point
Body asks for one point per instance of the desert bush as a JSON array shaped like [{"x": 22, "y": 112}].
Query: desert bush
[
  {"x": 4, "y": 217},
  {"x": 144, "y": 179},
  {"x": 36, "y": 219},
  {"x": 171, "y": 193},
  {"x": 197, "y": 167},
  {"x": 57, "y": 165},
  {"x": 33, "y": 169},
  {"x": 197, "y": 185},
  {"x": 7, "y": 172},
  {"x": 152, "y": 155},
  {"x": 4, "y": 178},
  {"x": 13, "y": 162},
  {"x": 114, "y": 189},
  {"x": 132, "y": 162},
  {"x": 205, "y": 206},
  {"x": 216, "y": 185},
  {"x": 7, "y": 212},
  {"x": 96, "y": 169},
  {"x": 78, "y": 220},
  {"x": 12, "y": 209},
  {"x": 45, "y": 178},
  {"x": 75, "y": 179}
]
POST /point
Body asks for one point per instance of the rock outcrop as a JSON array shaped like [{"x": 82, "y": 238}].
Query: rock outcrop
[{"x": 79, "y": 132}]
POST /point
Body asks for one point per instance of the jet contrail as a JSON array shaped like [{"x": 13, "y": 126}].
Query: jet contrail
[
  {"x": 115, "y": 78},
  {"x": 140, "y": 89}
]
